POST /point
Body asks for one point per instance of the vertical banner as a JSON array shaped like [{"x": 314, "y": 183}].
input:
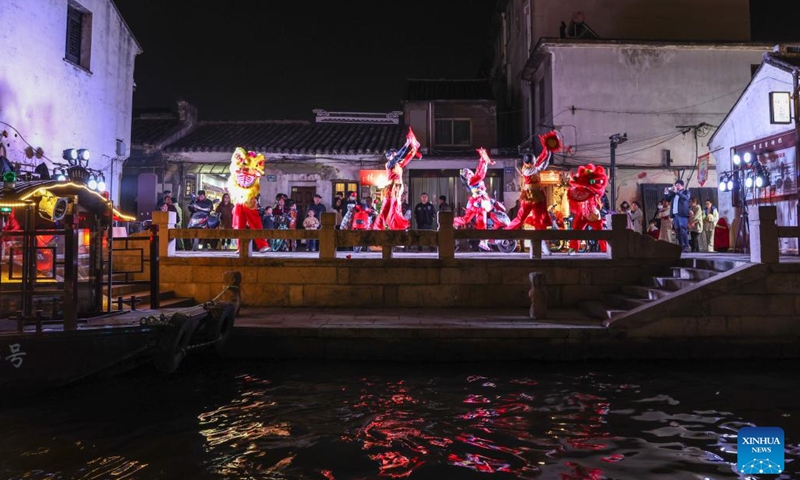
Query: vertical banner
[{"x": 702, "y": 168}]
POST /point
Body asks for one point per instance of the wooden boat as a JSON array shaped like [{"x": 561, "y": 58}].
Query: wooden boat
[
  {"x": 46, "y": 355},
  {"x": 58, "y": 263}
]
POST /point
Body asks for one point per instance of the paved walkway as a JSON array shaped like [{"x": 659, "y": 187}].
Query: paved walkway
[{"x": 408, "y": 319}]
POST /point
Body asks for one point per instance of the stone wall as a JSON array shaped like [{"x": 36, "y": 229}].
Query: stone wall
[{"x": 418, "y": 283}]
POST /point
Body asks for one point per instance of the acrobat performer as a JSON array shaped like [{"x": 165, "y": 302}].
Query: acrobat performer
[
  {"x": 391, "y": 214},
  {"x": 479, "y": 203},
  {"x": 532, "y": 199},
  {"x": 244, "y": 182}
]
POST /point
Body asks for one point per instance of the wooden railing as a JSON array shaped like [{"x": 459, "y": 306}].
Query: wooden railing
[{"x": 444, "y": 239}]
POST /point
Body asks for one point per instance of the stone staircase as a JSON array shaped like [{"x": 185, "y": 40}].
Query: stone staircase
[
  {"x": 167, "y": 299},
  {"x": 688, "y": 273}
]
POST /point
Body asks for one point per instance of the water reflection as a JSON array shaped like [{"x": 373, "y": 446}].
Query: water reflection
[{"x": 335, "y": 422}]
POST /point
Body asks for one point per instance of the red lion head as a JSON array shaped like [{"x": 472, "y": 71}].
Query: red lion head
[{"x": 590, "y": 178}]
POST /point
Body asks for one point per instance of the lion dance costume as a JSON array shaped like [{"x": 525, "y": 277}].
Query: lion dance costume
[
  {"x": 586, "y": 189},
  {"x": 391, "y": 214},
  {"x": 532, "y": 200},
  {"x": 479, "y": 203},
  {"x": 244, "y": 182}
]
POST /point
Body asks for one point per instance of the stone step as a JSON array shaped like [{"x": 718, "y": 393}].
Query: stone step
[
  {"x": 624, "y": 302},
  {"x": 690, "y": 273},
  {"x": 126, "y": 289},
  {"x": 597, "y": 309},
  {"x": 641, "y": 291},
  {"x": 669, "y": 283},
  {"x": 143, "y": 298},
  {"x": 718, "y": 265}
]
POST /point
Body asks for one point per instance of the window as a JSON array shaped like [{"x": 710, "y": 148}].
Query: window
[
  {"x": 79, "y": 36},
  {"x": 453, "y": 132},
  {"x": 344, "y": 187}
]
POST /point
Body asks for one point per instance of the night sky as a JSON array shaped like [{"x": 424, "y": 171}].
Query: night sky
[{"x": 279, "y": 60}]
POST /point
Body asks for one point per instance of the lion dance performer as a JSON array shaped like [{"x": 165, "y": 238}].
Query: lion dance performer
[
  {"x": 532, "y": 199},
  {"x": 586, "y": 189},
  {"x": 243, "y": 186},
  {"x": 391, "y": 214}
]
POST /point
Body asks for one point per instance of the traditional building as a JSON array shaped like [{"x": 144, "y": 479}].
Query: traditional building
[
  {"x": 761, "y": 132},
  {"x": 70, "y": 88},
  {"x": 177, "y": 152},
  {"x": 576, "y": 67}
]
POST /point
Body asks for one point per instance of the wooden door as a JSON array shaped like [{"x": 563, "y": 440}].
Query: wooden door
[{"x": 303, "y": 197}]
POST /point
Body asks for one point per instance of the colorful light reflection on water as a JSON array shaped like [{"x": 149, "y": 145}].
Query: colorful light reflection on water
[{"x": 353, "y": 421}]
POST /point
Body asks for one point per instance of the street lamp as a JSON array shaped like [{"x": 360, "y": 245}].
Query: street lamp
[{"x": 615, "y": 140}]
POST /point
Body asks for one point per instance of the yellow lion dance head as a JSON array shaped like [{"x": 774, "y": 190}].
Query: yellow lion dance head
[{"x": 246, "y": 170}]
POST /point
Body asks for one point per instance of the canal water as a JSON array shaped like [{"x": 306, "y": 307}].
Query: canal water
[{"x": 290, "y": 420}]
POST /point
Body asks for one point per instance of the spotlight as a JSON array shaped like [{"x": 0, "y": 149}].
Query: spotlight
[
  {"x": 749, "y": 181},
  {"x": 92, "y": 183},
  {"x": 723, "y": 184},
  {"x": 730, "y": 184},
  {"x": 70, "y": 154},
  {"x": 737, "y": 159},
  {"x": 60, "y": 175},
  {"x": 762, "y": 178},
  {"x": 101, "y": 183},
  {"x": 747, "y": 158}
]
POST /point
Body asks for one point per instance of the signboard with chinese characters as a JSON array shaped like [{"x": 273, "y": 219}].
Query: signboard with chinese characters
[
  {"x": 777, "y": 154},
  {"x": 375, "y": 178},
  {"x": 272, "y": 178}
]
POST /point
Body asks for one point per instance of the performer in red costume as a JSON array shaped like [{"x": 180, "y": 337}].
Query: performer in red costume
[
  {"x": 532, "y": 198},
  {"x": 391, "y": 214},
  {"x": 479, "y": 203},
  {"x": 247, "y": 168},
  {"x": 585, "y": 194}
]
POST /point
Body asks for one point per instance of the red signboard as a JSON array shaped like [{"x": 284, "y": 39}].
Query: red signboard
[{"x": 373, "y": 178}]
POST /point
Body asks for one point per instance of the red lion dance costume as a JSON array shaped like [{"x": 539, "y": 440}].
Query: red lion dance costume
[
  {"x": 479, "y": 203},
  {"x": 391, "y": 214},
  {"x": 532, "y": 200},
  {"x": 586, "y": 189},
  {"x": 243, "y": 186}
]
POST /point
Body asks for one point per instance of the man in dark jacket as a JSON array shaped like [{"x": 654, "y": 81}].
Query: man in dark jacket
[
  {"x": 678, "y": 197},
  {"x": 424, "y": 212}
]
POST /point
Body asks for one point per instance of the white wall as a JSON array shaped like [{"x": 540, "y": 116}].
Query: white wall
[
  {"x": 55, "y": 104},
  {"x": 749, "y": 121},
  {"x": 646, "y": 92}
]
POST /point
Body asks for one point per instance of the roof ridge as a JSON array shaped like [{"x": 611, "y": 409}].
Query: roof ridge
[{"x": 262, "y": 122}]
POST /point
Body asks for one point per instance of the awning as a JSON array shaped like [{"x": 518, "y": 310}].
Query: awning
[{"x": 208, "y": 168}]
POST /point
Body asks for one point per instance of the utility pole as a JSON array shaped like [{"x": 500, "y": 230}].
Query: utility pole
[{"x": 615, "y": 140}]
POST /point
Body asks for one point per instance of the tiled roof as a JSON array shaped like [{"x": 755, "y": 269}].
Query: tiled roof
[
  {"x": 430, "y": 90},
  {"x": 789, "y": 62},
  {"x": 150, "y": 131},
  {"x": 291, "y": 138}
]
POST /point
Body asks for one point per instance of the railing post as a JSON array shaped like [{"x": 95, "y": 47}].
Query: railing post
[
  {"x": 536, "y": 248},
  {"x": 245, "y": 247},
  {"x": 446, "y": 237},
  {"x": 166, "y": 247},
  {"x": 327, "y": 236},
  {"x": 619, "y": 236},
  {"x": 70, "y": 274},
  {"x": 764, "y": 242},
  {"x": 155, "y": 279}
]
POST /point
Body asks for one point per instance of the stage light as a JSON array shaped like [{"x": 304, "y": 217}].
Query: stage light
[
  {"x": 101, "y": 183},
  {"x": 737, "y": 159},
  {"x": 749, "y": 181},
  {"x": 723, "y": 184},
  {"x": 762, "y": 176},
  {"x": 92, "y": 183},
  {"x": 70, "y": 154},
  {"x": 731, "y": 184},
  {"x": 747, "y": 158}
]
